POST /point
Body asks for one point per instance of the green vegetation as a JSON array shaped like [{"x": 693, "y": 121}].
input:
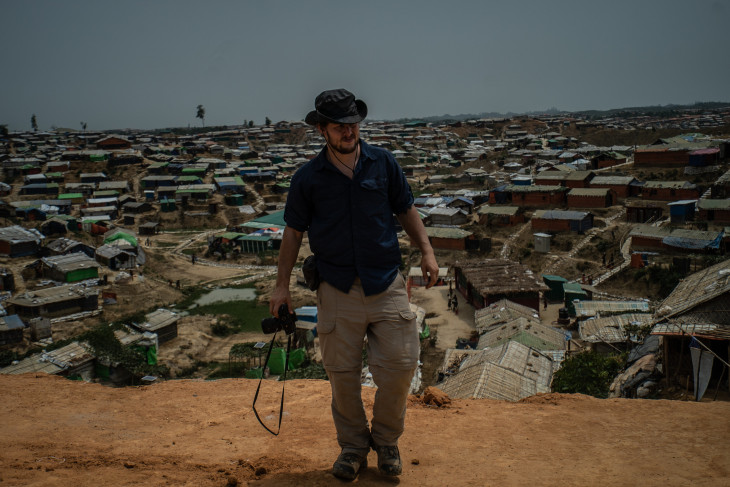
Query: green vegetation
[
  {"x": 603, "y": 246},
  {"x": 235, "y": 316},
  {"x": 106, "y": 346},
  {"x": 640, "y": 331},
  {"x": 7, "y": 357},
  {"x": 309, "y": 370},
  {"x": 666, "y": 278},
  {"x": 200, "y": 113},
  {"x": 588, "y": 373}
]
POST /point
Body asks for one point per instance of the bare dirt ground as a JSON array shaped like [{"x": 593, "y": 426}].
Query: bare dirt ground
[
  {"x": 58, "y": 432},
  {"x": 446, "y": 325}
]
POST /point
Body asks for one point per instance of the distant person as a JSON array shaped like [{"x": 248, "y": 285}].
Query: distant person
[
  {"x": 455, "y": 304},
  {"x": 345, "y": 199}
]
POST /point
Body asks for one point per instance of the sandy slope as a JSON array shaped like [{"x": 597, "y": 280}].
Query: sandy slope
[{"x": 57, "y": 432}]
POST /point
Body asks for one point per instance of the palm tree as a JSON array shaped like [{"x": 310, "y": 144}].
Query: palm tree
[{"x": 201, "y": 114}]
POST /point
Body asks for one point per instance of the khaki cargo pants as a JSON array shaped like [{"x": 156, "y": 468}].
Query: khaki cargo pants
[{"x": 393, "y": 346}]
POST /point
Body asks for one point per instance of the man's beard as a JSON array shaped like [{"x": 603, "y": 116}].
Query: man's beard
[{"x": 343, "y": 148}]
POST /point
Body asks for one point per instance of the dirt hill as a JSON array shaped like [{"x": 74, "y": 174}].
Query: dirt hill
[{"x": 58, "y": 432}]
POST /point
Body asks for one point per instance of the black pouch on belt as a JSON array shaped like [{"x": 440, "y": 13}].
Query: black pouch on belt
[{"x": 311, "y": 274}]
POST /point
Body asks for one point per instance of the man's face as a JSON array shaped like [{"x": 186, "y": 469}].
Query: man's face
[{"x": 343, "y": 137}]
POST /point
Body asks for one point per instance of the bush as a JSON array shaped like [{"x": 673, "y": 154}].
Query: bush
[
  {"x": 221, "y": 329},
  {"x": 7, "y": 357},
  {"x": 588, "y": 373}
]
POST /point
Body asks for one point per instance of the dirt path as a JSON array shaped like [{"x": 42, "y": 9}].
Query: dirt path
[
  {"x": 447, "y": 325},
  {"x": 58, "y": 432}
]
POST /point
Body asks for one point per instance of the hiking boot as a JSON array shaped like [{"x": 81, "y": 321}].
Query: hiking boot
[
  {"x": 389, "y": 460},
  {"x": 348, "y": 464}
]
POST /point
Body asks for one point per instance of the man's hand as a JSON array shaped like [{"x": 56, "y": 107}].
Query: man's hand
[
  {"x": 281, "y": 295},
  {"x": 430, "y": 269},
  {"x": 412, "y": 224}
]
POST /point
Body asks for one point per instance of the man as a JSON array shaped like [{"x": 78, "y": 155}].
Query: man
[{"x": 345, "y": 199}]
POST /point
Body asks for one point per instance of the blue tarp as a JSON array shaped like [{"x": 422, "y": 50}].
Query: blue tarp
[{"x": 694, "y": 243}]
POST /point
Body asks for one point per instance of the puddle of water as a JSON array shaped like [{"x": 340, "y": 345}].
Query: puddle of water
[{"x": 226, "y": 294}]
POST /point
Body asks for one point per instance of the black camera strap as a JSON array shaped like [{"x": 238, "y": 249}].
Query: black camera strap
[{"x": 286, "y": 367}]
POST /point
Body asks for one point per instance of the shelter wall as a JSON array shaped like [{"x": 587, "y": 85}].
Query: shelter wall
[{"x": 661, "y": 158}]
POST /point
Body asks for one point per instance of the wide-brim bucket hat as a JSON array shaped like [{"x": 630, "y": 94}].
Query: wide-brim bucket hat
[{"x": 337, "y": 106}]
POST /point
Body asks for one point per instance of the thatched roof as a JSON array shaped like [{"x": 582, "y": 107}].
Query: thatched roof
[
  {"x": 510, "y": 372},
  {"x": 501, "y": 312},
  {"x": 610, "y": 329},
  {"x": 527, "y": 332},
  {"x": 697, "y": 289},
  {"x": 498, "y": 276}
]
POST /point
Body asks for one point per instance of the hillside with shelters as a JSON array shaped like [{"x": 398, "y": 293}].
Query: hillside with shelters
[{"x": 577, "y": 219}]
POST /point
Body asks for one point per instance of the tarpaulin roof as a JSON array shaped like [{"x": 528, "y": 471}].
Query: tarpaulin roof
[
  {"x": 121, "y": 235},
  {"x": 694, "y": 243}
]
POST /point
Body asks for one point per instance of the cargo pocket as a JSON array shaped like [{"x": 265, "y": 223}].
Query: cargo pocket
[{"x": 399, "y": 295}]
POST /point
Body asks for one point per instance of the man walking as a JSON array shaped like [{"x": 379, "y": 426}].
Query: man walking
[{"x": 345, "y": 199}]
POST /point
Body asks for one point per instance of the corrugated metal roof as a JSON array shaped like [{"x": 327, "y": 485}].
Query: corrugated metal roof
[
  {"x": 17, "y": 234},
  {"x": 498, "y": 210},
  {"x": 53, "y": 295},
  {"x": 70, "y": 262},
  {"x": 560, "y": 215},
  {"x": 612, "y": 180},
  {"x": 159, "y": 319},
  {"x": 589, "y": 192},
  {"x": 537, "y": 188},
  {"x": 669, "y": 185},
  {"x": 447, "y": 232},
  {"x": 708, "y": 204},
  {"x": 442, "y": 211},
  {"x": 52, "y": 362}
]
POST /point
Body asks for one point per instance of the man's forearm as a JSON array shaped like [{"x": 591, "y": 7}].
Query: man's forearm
[
  {"x": 412, "y": 224},
  {"x": 290, "y": 243}
]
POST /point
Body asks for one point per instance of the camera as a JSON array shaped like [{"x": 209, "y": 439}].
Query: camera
[{"x": 286, "y": 321}]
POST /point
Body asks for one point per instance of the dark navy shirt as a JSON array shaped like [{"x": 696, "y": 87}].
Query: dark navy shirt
[{"x": 350, "y": 221}]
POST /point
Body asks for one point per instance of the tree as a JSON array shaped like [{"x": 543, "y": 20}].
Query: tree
[
  {"x": 34, "y": 123},
  {"x": 4, "y": 130},
  {"x": 268, "y": 121},
  {"x": 83, "y": 126},
  {"x": 588, "y": 373},
  {"x": 250, "y": 123},
  {"x": 201, "y": 114}
]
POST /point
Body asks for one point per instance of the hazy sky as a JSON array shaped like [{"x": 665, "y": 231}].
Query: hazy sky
[{"x": 148, "y": 64}]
